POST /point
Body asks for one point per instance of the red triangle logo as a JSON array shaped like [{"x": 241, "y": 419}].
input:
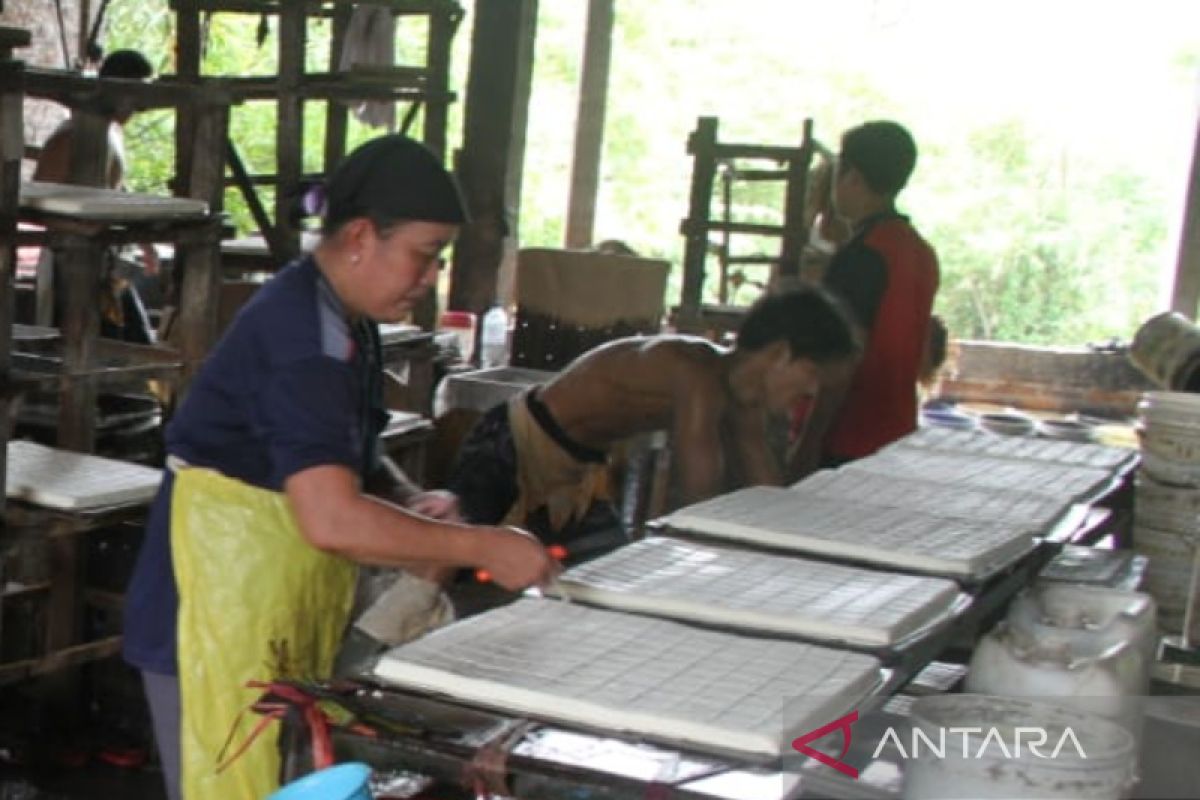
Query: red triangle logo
[{"x": 800, "y": 744}]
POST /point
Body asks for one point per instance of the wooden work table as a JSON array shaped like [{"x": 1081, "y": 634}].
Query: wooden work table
[{"x": 446, "y": 740}]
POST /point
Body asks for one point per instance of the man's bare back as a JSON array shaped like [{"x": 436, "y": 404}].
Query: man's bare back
[{"x": 634, "y": 385}]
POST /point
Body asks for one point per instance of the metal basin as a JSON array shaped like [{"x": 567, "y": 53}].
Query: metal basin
[{"x": 479, "y": 390}]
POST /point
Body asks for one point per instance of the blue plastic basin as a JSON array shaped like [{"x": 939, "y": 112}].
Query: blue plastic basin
[{"x": 340, "y": 782}]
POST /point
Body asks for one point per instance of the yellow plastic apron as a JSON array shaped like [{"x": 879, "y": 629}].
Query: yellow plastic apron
[{"x": 256, "y": 602}]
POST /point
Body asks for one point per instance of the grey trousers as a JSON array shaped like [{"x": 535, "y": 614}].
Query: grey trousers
[{"x": 162, "y": 693}]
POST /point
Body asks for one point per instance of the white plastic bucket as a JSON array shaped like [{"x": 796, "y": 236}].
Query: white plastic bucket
[
  {"x": 1168, "y": 572},
  {"x": 1166, "y": 507},
  {"x": 973, "y": 766},
  {"x": 1081, "y": 674},
  {"x": 1170, "y": 453},
  {"x": 1091, "y": 619}
]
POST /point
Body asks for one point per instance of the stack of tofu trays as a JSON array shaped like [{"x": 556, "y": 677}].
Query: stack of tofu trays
[{"x": 797, "y": 603}]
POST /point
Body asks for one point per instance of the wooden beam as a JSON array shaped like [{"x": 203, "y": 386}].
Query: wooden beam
[
  {"x": 589, "y": 125},
  {"x": 77, "y": 279},
  {"x": 1186, "y": 293},
  {"x": 493, "y": 153},
  {"x": 795, "y": 226},
  {"x": 11, "y": 151},
  {"x": 312, "y": 8},
  {"x": 289, "y": 136},
  {"x": 337, "y": 115},
  {"x": 442, "y": 26},
  {"x": 702, "y": 144}
]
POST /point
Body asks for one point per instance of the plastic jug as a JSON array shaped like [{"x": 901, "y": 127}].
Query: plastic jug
[{"x": 493, "y": 342}]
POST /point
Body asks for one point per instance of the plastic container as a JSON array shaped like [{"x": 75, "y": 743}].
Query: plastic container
[
  {"x": 1069, "y": 430},
  {"x": 975, "y": 766},
  {"x": 1166, "y": 349},
  {"x": 462, "y": 325},
  {"x": 1164, "y": 506},
  {"x": 1066, "y": 612},
  {"x": 493, "y": 340},
  {"x": 350, "y": 781},
  {"x": 946, "y": 417},
  {"x": 1007, "y": 423},
  {"x": 1080, "y": 672}
]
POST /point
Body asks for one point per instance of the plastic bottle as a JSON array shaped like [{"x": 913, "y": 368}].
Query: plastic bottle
[{"x": 493, "y": 342}]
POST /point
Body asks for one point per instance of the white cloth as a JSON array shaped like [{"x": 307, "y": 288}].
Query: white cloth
[
  {"x": 370, "y": 42},
  {"x": 407, "y": 610}
]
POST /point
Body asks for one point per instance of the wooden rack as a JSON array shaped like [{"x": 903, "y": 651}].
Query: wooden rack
[
  {"x": 423, "y": 87},
  {"x": 43, "y": 553},
  {"x": 81, "y": 240},
  {"x": 712, "y": 159}
]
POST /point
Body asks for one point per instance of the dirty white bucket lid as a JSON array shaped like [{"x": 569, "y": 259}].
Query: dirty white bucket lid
[{"x": 1097, "y": 759}]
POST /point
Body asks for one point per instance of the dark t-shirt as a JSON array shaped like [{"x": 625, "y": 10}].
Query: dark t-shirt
[
  {"x": 889, "y": 276},
  {"x": 292, "y": 385}
]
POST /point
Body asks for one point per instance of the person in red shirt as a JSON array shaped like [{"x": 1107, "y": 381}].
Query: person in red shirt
[{"x": 888, "y": 275}]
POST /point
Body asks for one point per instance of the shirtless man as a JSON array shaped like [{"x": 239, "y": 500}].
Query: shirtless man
[{"x": 546, "y": 450}]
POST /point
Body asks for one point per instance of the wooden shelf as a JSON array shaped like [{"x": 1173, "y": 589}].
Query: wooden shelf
[
  {"x": 80, "y": 92},
  {"x": 74, "y": 655},
  {"x": 312, "y": 8},
  {"x": 40, "y": 548},
  {"x": 424, "y": 87}
]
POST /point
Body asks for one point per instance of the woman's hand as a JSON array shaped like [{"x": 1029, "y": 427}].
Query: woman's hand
[{"x": 515, "y": 559}]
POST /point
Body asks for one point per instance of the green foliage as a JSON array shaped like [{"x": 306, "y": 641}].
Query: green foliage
[{"x": 1043, "y": 238}]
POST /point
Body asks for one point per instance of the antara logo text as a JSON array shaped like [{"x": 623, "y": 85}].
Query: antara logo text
[{"x": 966, "y": 742}]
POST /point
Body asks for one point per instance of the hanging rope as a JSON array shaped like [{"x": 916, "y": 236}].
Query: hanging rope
[
  {"x": 62, "y": 34},
  {"x": 93, "y": 48}
]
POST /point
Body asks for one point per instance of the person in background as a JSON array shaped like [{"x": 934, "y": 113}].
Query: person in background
[
  {"x": 889, "y": 276},
  {"x": 539, "y": 460},
  {"x": 288, "y": 407},
  {"x": 933, "y": 357},
  {"x": 122, "y": 313}
]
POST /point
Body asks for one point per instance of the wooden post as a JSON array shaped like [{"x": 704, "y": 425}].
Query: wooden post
[
  {"x": 337, "y": 115},
  {"x": 443, "y": 22},
  {"x": 1186, "y": 293},
  {"x": 77, "y": 276},
  {"x": 199, "y": 259},
  {"x": 589, "y": 125},
  {"x": 12, "y": 146},
  {"x": 493, "y": 154},
  {"x": 188, "y": 68},
  {"x": 85, "y": 27},
  {"x": 702, "y": 145},
  {"x": 795, "y": 228},
  {"x": 289, "y": 136}
]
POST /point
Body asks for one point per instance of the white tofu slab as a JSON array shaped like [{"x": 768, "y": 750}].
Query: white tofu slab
[
  {"x": 1035, "y": 513},
  {"x": 857, "y": 531},
  {"x": 1068, "y": 483},
  {"x": 636, "y": 675},
  {"x": 67, "y": 480},
  {"x": 89, "y": 202},
  {"x": 757, "y": 592},
  {"x": 1028, "y": 448}
]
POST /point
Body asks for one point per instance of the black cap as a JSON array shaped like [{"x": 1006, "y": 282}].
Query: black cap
[{"x": 394, "y": 177}]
